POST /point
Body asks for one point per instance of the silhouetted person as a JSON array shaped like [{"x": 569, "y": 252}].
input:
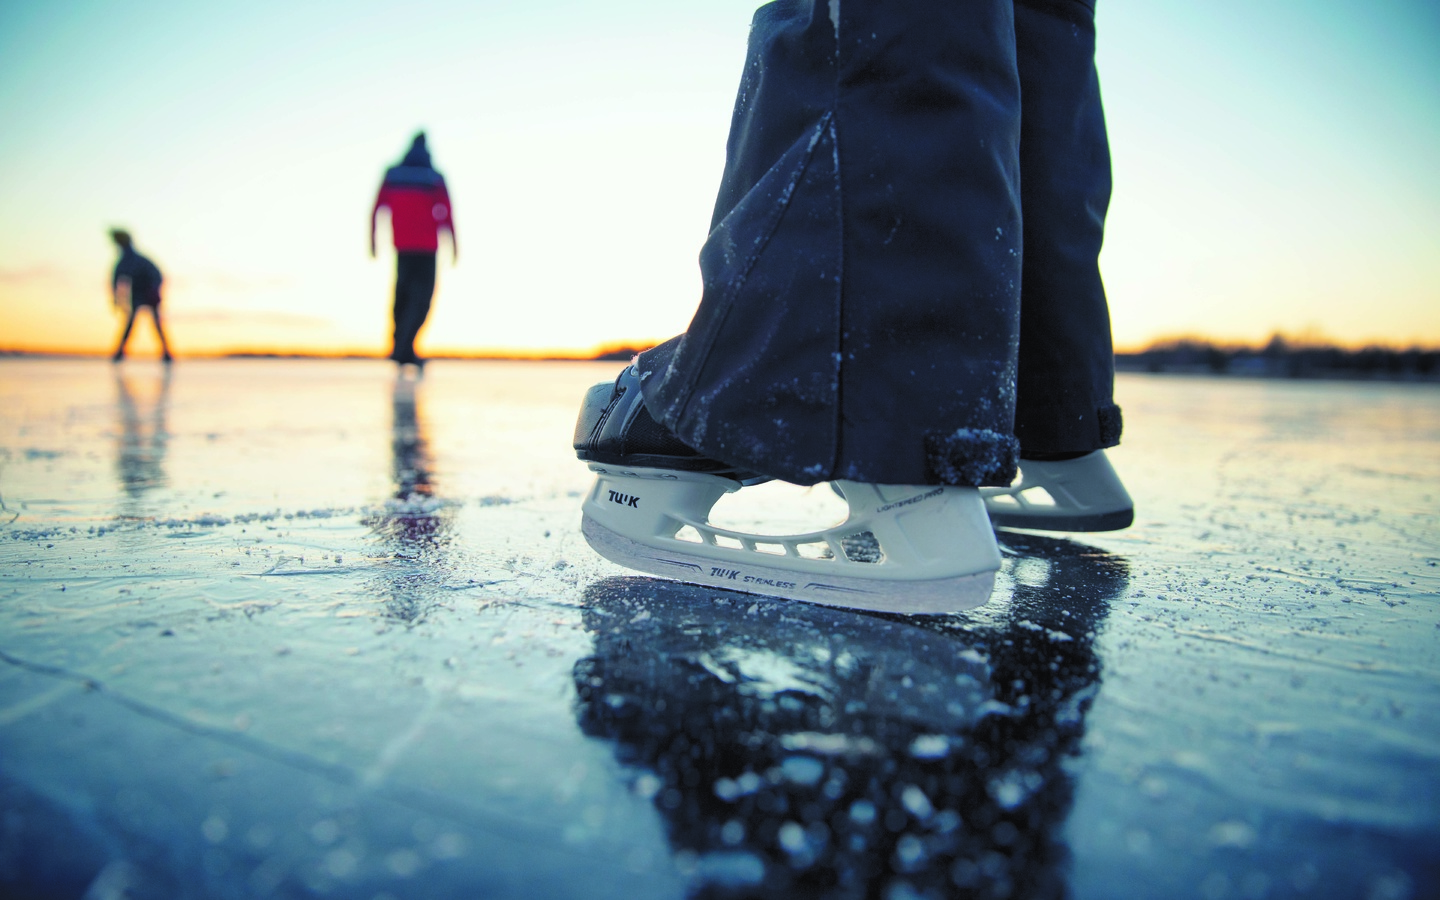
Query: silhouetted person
[
  {"x": 419, "y": 205},
  {"x": 137, "y": 280}
]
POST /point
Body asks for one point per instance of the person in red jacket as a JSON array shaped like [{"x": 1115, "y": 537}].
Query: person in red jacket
[{"x": 414, "y": 193}]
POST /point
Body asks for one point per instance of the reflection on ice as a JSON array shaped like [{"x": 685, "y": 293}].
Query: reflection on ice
[
  {"x": 414, "y": 527},
  {"x": 143, "y": 403},
  {"x": 794, "y": 748}
]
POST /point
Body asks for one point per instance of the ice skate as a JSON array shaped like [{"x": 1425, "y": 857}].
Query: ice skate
[
  {"x": 922, "y": 549},
  {"x": 1081, "y": 494}
]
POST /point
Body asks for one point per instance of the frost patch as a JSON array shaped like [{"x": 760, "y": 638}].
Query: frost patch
[
  {"x": 415, "y": 504},
  {"x": 803, "y": 770},
  {"x": 830, "y": 744},
  {"x": 972, "y": 655},
  {"x": 730, "y": 869},
  {"x": 247, "y": 518},
  {"x": 1072, "y": 711},
  {"x": 731, "y": 789},
  {"x": 930, "y": 746},
  {"x": 36, "y": 534},
  {"x": 1013, "y": 788},
  {"x": 994, "y": 708},
  {"x": 1233, "y": 833},
  {"x": 916, "y": 802},
  {"x": 972, "y": 457},
  {"x": 202, "y": 521},
  {"x": 318, "y": 513}
]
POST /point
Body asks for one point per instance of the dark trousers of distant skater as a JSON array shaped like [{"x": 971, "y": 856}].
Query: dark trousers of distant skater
[
  {"x": 419, "y": 205},
  {"x": 140, "y": 279},
  {"x": 414, "y": 289},
  {"x": 901, "y": 283}
]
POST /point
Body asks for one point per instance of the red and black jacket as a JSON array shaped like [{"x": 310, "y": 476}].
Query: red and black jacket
[{"x": 419, "y": 205}]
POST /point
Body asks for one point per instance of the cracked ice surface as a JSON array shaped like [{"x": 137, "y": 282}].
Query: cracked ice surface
[{"x": 296, "y": 628}]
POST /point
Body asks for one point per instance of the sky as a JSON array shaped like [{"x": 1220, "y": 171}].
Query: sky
[{"x": 1274, "y": 165}]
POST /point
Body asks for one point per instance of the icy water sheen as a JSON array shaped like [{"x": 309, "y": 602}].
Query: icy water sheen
[{"x": 293, "y": 629}]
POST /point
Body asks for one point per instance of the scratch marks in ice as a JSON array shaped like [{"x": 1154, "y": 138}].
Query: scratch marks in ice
[
  {"x": 395, "y": 749},
  {"x": 281, "y": 562},
  {"x": 1052, "y": 634},
  {"x": 24, "y": 707}
]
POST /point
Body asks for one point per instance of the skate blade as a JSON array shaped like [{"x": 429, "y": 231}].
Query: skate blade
[
  {"x": 939, "y": 596},
  {"x": 1061, "y": 521},
  {"x": 1083, "y": 494}
]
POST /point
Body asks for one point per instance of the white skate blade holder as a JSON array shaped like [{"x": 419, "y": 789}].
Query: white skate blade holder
[
  {"x": 1081, "y": 494},
  {"x": 923, "y": 549}
]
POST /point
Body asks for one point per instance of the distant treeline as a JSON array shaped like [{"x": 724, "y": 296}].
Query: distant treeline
[
  {"x": 622, "y": 353},
  {"x": 1281, "y": 358},
  {"x": 604, "y": 354}
]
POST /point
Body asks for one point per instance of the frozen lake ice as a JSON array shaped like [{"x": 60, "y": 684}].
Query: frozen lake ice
[{"x": 299, "y": 628}]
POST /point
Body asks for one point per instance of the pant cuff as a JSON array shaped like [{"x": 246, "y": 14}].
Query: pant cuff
[
  {"x": 1111, "y": 424},
  {"x": 971, "y": 457}
]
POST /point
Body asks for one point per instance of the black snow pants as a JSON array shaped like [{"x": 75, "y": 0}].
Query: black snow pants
[
  {"x": 901, "y": 281},
  {"x": 414, "y": 289}
]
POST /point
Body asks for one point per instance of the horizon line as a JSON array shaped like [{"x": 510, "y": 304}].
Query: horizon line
[
  {"x": 622, "y": 351},
  {"x": 619, "y": 354}
]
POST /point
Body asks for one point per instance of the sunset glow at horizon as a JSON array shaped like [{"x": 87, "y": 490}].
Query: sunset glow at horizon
[{"x": 1273, "y": 169}]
